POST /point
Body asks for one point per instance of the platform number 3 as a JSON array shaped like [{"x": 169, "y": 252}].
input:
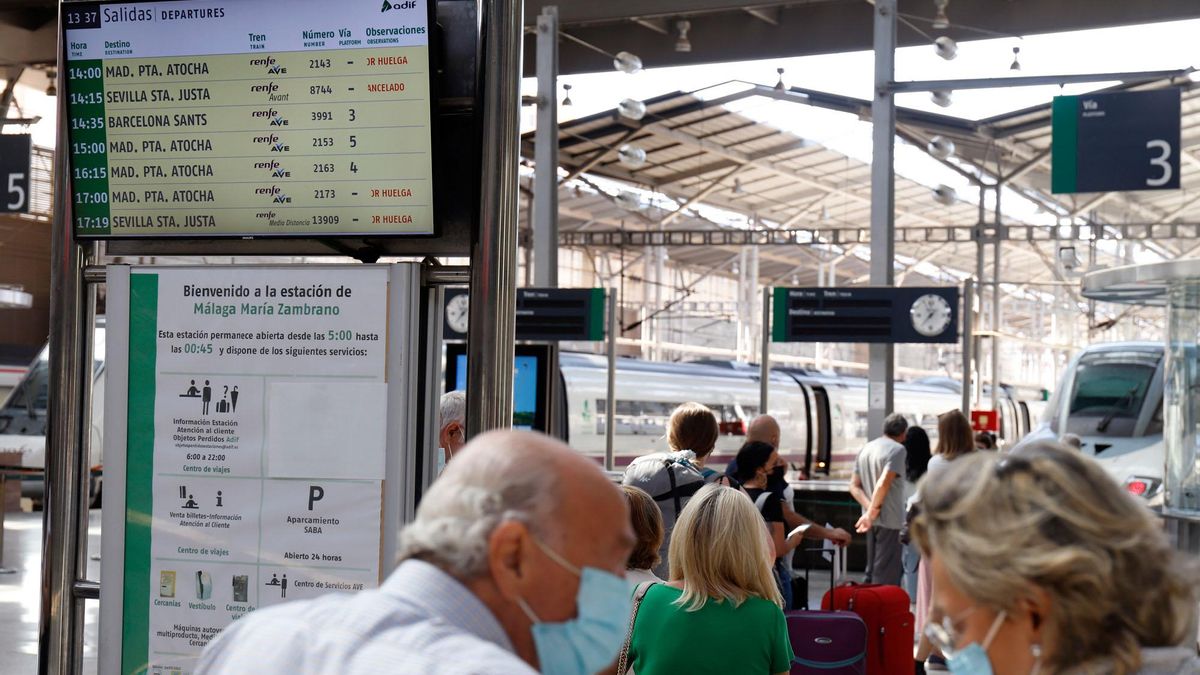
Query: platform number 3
[{"x": 1164, "y": 149}]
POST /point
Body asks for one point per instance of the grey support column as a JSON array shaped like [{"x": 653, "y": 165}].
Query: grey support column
[
  {"x": 545, "y": 177},
  {"x": 494, "y": 252},
  {"x": 64, "y": 551},
  {"x": 881, "y": 375},
  {"x": 968, "y": 341}
]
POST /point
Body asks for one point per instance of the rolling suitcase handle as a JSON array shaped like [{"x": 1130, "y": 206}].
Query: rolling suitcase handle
[{"x": 837, "y": 569}]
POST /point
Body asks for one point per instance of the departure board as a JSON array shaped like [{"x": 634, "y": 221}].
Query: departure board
[{"x": 235, "y": 118}]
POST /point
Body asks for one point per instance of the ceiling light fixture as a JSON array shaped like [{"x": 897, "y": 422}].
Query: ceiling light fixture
[
  {"x": 567, "y": 95},
  {"x": 779, "y": 85},
  {"x": 737, "y": 187},
  {"x": 941, "y": 97},
  {"x": 52, "y": 87},
  {"x": 940, "y": 20},
  {"x": 631, "y": 108},
  {"x": 946, "y": 47},
  {"x": 631, "y": 156},
  {"x": 945, "y": 195},
  {"x": 940, "y": 147},
  {"x": 1016, "y": 64},
  {"x": 627, "y": 63},
  {"x": 682, "y": 27}
]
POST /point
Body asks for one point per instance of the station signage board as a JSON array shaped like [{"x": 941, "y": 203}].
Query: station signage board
[
  {"x": 248, "y": 448},
  {"x": 551, "y": 314},
  {"x": 542, "y": 314},
  {"x": 15, "y": 168},
  {"x": 872, "y": 315},
  {"x": 1118, "y": 141},
  {"x": 249, "y": 118}
]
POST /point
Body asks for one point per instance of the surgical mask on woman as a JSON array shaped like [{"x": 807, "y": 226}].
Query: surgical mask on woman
[{"x": 969, "y": 660}]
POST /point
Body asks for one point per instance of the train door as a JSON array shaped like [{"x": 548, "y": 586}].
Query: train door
[
  {"x": 823, "y": 424},
  {"x": 1026, "y": 420}
]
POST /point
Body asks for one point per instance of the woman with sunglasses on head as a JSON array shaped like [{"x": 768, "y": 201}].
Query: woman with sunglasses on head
[
  {"x": 955, "y": 440},
  {"x": 1042, "y": 564}
]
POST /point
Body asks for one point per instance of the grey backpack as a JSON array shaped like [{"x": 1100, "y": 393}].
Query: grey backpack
[{"x": 671, "y": 479}]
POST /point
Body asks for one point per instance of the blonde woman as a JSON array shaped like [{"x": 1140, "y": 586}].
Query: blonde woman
[
  {"x": 1042, "y": 564},
  {"x": 721, "y": 611}
]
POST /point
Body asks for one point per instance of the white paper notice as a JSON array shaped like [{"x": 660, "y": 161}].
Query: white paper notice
[
  {"x": 256, "y": 452},
  {"x": 330, "y": 429}
]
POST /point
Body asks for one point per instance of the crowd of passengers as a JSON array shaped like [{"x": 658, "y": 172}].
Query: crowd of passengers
[{"x": 525, "y": 558}]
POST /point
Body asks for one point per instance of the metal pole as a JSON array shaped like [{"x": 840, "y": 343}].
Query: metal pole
[
  {"x": 881, "y": 373},
  {"x": 968, "y": 341},
  {"x": 995, "y": 327},
  {"x": 996, "y": 309},
  {"x": 610, "y": 417},
  {"x": 494, "y": 251},
  {"x": 1036, "y": 80},
  {"x": 545, "y": 176},
  {"x": 3, "y": 500},
  {"x": 764, "y": 375},
  {"x": 977, "y": 320},
  {"x": 60, "y": 626}
]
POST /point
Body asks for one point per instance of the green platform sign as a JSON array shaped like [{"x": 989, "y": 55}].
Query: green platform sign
[{"x": 1116, "y": 142}]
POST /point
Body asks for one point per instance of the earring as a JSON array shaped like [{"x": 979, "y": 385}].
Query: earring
[{"x": 1036, "y": 651}]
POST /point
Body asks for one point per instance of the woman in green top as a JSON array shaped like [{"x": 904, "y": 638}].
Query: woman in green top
[{"x": 721, "y": 611}]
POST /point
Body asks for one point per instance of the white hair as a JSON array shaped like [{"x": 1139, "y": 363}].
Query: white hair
[
  {"x": 453, "y": 409},
  {"x": 495, "y": 480}
]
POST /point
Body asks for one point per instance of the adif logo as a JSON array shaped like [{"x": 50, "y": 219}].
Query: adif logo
[{"x": 407, "y": 4}]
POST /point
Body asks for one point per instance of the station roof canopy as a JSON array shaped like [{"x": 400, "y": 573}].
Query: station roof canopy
[
  {"x": 720, "y": 30},
  {"x": 715, "y": 180}
]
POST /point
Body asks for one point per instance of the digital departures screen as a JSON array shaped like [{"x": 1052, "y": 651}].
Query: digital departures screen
[{"x": 300, "y": 118}]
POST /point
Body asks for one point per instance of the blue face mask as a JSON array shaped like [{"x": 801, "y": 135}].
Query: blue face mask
[
  {"x": 973, "y": 659},
  {"x": 441, "y": 461},
  {"x": 590, "y": 641}
]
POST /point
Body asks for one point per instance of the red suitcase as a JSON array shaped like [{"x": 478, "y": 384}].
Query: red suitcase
[{"x": 889, "y": 624}]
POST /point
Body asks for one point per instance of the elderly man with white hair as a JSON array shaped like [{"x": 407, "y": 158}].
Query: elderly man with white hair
[
  {"x": 452, "y": 426},
  {"x": 514, "y": 564}
]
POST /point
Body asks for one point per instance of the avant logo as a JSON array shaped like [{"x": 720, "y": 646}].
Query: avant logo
[{"x": 407, "y": 4}]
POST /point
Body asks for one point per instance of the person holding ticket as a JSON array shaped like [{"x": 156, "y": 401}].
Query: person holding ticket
[{"x": 755, "y": 463}]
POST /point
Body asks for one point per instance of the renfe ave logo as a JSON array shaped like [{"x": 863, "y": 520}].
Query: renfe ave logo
[{"x": 407, "y": 4}]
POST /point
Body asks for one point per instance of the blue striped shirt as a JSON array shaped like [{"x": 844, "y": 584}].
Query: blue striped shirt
[{"x": 421, "y": 620}]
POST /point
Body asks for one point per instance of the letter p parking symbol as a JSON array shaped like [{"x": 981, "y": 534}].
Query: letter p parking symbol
[{"x": 315, "y": 494}]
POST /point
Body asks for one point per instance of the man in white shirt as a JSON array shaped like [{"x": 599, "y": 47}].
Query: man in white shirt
[
  {"x": 502, "y": 557},
  {"x": 879, "y": 464}
]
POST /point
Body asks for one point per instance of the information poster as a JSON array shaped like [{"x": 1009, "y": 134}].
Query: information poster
[
  {"x": 257, "y": 410},
  {"x": 195, "y": 118}
]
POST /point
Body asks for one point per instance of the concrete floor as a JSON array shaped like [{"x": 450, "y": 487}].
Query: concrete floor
[{"x": 19, "y": 593}]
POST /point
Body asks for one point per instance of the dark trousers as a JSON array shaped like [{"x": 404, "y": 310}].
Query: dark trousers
[{"x": 885, "y": 562}]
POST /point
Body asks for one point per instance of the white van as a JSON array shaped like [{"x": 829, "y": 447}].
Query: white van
[{"x": 24, "y": 418}]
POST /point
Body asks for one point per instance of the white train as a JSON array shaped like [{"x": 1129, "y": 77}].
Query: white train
[
  {"x": 823, "y": 417},
  {"x": 1111, "y": 397}
]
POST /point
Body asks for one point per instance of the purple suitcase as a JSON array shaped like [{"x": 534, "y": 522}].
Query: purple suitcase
[{"x": 828, "y": 643}]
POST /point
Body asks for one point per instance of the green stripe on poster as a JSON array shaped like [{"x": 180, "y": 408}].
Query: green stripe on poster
[
  {"x": 1064, "y": 144},
  {"x": 143, "y": 345}
]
